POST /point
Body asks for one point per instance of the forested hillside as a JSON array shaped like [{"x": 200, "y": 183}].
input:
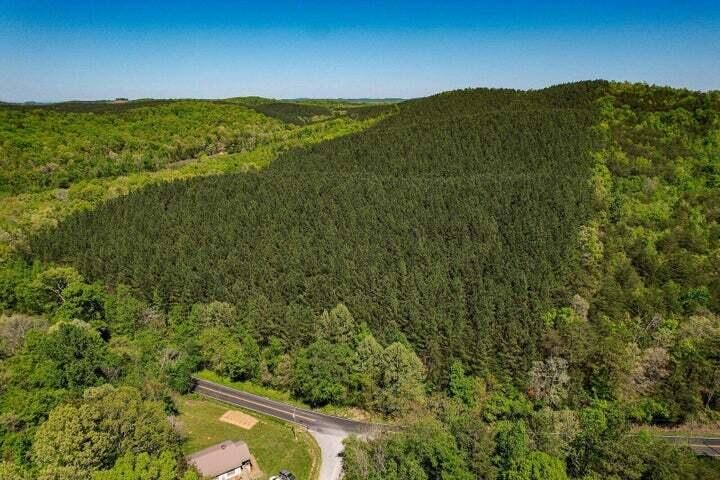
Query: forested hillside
[
  {"x": 527, "y": 281},
  {"x": 81, "y": 133},
  {"x": 296, "y": 113},
  {"x": 452, "y": 223},
  {"x": 57, "y": 145}
]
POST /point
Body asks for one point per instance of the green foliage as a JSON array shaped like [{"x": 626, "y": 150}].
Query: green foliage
[
  {"x": 124, "y": 311},
  {"x": 145, "y": 467},
  {"x": 23, "y": 410},
  {"x": 22, "y": 214},
  {"x": 462, "y": 274},
  {"x": 473, "y": 436},
  {"x": 511, "y": 445},
  {"x": 694, "y": 383},
  {"x": 15, "y": 278},
  {"x": 537, "y": 466},
  {"x": 648, "y": 253},
  {"x": 47, "y": 288},
  {"x": 461, "y": 386},
  {"x": 180, "y": 374},
  {"x": 296, "y": 113},
  {"x": 586, "y": 280},
  {"x": 554, "y": 431},
  {"x": 337, "y": 326},
  {"x": 322, "y": 373},
  {"x": 424, "y": 452},
  {"x": 214, "y": 314},
  {"x": 602, "y": 446},
  {"x": 236, "y": 357},
  {"x": 10, "y": 471},
  {"x": 108, "y": 423},
  {"x": 369, "y": 111},
  {"x": 401, "y": 380},
  {"x": 82, "y": 301},
  {"x": 55, "y": 147},
  {"x": 69, "y": 356},
  {"x": 506, "y": 402}
]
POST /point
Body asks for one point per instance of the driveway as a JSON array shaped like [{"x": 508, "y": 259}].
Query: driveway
[
  {"x": 329, "y": 431},
  {"x": 331, "y": 448}
]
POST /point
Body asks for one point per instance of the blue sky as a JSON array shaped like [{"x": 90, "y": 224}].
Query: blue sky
[{"x": 54, "y": 50}]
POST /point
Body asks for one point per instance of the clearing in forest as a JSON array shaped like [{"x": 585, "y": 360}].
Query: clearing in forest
[{"x": 239, "y": 419}]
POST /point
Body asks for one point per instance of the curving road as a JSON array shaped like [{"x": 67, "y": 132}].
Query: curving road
[
  {"x": 313, "y": 421},
  {"x": 709, "y": 446},
  {"x": 329, "y": 431}
]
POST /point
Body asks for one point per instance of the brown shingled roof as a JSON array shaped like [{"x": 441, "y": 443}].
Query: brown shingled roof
[{"x": 220, "y": 458}]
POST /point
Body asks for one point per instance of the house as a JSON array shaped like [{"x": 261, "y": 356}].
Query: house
[{"x": 225, "y": 461}]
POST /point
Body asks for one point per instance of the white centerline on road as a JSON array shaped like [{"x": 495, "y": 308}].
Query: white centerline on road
[{"x": 243, "y": 399}]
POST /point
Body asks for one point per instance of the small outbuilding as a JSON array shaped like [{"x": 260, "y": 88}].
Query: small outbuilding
[{"x": 225, "y": 461}]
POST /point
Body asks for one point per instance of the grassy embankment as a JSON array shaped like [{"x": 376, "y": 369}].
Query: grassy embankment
[{"x": 272, "y": 442}]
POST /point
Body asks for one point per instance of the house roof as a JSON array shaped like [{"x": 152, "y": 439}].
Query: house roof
[{"x": 220, "y": 458}]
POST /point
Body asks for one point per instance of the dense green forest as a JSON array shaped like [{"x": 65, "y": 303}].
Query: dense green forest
[
  {"x": 313, "y": 111},
  {"x": 24, "y": 212},
  {"x": 88, "y": 106},
  {"x": 51, "y": 147},
  {"x": 396, "y": 222},
  {"x": 56, "y": 145},
  {"x": 525, "y": 280},
  {"x": 297, "y": 113}
]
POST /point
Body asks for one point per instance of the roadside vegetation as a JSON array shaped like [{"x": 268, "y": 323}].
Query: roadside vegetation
[
  {"x": 522, "y": 279},
  {"x": 275, "y": 445}
]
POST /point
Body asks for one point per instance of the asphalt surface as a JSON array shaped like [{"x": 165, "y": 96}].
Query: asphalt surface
[
  {"x": 313, "y": 421},
  {"x": 709, "y": 446},
  {"x": 328, "y": 425},
  {"x": 329, "y": 431}
]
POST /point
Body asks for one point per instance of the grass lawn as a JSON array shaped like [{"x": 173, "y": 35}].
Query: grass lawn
[{"x": 270, "y": 441}]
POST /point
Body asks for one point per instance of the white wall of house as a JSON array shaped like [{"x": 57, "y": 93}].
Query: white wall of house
[{"x": 230, "y": 474}]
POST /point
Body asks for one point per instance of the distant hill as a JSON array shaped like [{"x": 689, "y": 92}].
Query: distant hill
[
  {"x": 56, "y": 144},
  {"x": 89, "y": 106},
  {"x": 350, "y": 100}
]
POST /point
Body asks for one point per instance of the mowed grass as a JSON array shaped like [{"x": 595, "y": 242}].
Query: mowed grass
[{"x": 271, "y": 441}]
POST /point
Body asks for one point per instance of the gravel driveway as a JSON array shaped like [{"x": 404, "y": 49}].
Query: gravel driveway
[{"x": 331, "y": 448}]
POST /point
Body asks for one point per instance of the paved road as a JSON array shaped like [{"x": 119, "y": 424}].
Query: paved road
[
  {"x": 309, "y": 419},
  {"x": 329, "y": 431},
  {"x": 709, "y": 446}
]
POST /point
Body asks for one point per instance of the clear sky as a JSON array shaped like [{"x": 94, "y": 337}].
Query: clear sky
[{"x": 85, "y": 49}]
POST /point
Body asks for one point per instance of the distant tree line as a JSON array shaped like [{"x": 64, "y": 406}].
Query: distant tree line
[{"x": 51, "y": 146}]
